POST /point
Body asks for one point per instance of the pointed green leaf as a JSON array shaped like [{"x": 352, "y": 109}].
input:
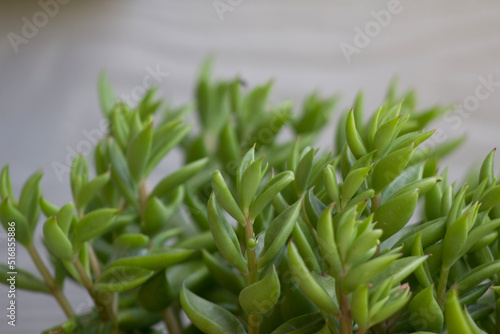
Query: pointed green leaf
[
  {"x": 119, "y": 279},
  {"x": 389, "y": 167},
  {"x": 364, "y": 273},
  {"x": 91, "y": 189},
  {"x": 107, "y": 97},
  {"x": 225, "y": 237},
  {"x": 269, "y": 191},
  {"x": 208, "y": 317},
  {"x": 138, "y": 152},
  {"x": 223, "y": 274},
  {"x": 261, "y": 296},
  {"x": 11, "y": 217},
  {"x": 308, "y": 285},
  {"x": 425, "y": 311},
  {"x": 393, "y": 215},
  {"x": 93, "y": 224},
  {"x": 177, "y": 178},
  {"x": 353, "y": 138},
  {"x": 250, "y": 182},
  {"x": 56, "y": 240},
  {"x": 156, "y": 293},
  {"x": 354, "y": 180},
  {"x": 155, "y": 259},
  {"x": 278, "y": 232}
]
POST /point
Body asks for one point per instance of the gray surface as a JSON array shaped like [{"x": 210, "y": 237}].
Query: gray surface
[{"x": 48, "y": 88}]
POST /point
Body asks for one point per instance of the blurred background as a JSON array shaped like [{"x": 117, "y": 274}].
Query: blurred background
[{"x": 51, "y": 53}]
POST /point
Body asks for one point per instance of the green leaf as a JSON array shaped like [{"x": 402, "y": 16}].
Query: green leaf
[
  {"x": 487, "y": 168},
  {"x": 307, "y": 283},
  {"x": 399, "y": 269},
  {"x": 165, "y": 139},
  {"x": 91, "y": 189},
  {"x": 454, "y": 241},
  {"x": 6, "y": 184},
  {"x": 303, "y": 171},
  {"x": 490, "y": 199},
  {"x": 326, "y": 241},
  {"x": 226, "y": 199},
  {"x": 422, "y": 273},
  {"x": 385, "y": 134},
  {"x": 478, "y": 275},
  {"x": 359, "y": 306},
  {"x": 93, "y": 224},
  {"x": 247, "y": 159},
  {"x": 129, "y": 241},
  {"x": 454, "y": 315},
  {"x": 261, "y": 296},
  {"x": 24, "y": 279},
  {"x": 138, "y": 152},
  {"x": 120, "y": 173},
  {"x": 156, "y": 215},
  {"x": 119, "y": 279},
  {"x": 354, "y": 180},
  {"x": 107, "y": 97},
  {"x": 119, "y": 125},
  {"x": 269, "y": 191},
  {"x": 361, "y": 245},
  {"x": 48, "y": 208},
  {"x": 278, "y": 232},
  {"x": 391, "y": 307},
  {"x": 390, "y": 167},
  {"x": 478, "y": 233},
  {"x": 29, "y": 200},
  {"x": 426, "y": 313},
  {"x": 302, "y": 324},
  {"x": 208, "y": 317},
  {"x": 331, "y": 186},
  {"x": 11, "y": 217},
  {"x": 393, "y": 215},
  {"x": 56, "y": 240},
  {"x": 155, "y": 259},
  {"x": 363, "y": 273},
  {"x": 177, "y": 178},
  {"x": 424, "y": 186},
  {"x": 133, "y": 318},
  {"x": 250, "y": 182},
  {"x": 225, "y": 237},
  {"x": 353, "y": 138},
  {"x": 156, "y": 293},
  {"x": 223, "y": 274}
]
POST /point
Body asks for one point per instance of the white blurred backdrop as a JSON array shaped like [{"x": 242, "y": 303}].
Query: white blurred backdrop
[{"x": 51, "y": 55}]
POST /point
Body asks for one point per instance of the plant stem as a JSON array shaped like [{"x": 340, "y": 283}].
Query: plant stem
[
  {"x": 345, "y": 318},
  {"x": 94, "y": 262},
  {"x": 49, "y": 281},
  {"x": 104, "y": 310},
  {"x": 441, "y": 289},
  {"x": 170, "y": 321},
  {"x": 253, "y": 272}
]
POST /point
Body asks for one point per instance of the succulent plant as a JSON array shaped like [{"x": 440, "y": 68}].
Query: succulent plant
[{"x": 260, "y": 232}]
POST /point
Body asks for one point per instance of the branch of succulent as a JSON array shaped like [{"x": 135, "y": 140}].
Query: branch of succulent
[{"x": 260, "y": 234}]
